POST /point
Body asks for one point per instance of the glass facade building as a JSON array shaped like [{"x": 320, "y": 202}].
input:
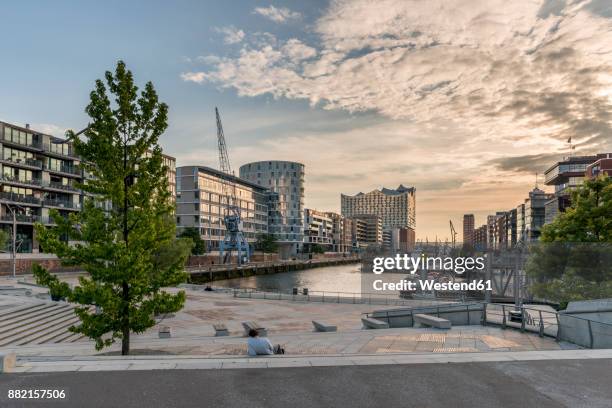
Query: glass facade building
[{"x": 285, "y": 182}]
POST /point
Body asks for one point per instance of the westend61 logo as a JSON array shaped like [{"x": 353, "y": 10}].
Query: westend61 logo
[{"x": 411, "y": 264}]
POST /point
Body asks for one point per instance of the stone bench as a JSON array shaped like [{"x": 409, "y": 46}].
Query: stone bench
[
  {"x": 371, "y": 323},
  {"x": 431, "y": 321},
  {"x": 251, "y": 325},
  {"x": 164, "y": 332},
  {"x": 323, "y": 327},
  {"x": 220, "y": 330}
]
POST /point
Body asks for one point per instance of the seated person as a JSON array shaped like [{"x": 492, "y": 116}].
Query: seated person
[{"x": 261, "y": 345}]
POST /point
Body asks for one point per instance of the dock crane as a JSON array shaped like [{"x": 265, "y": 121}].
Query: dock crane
[
  {"x": 234, "y": 238},
  {"x": 453, "y": 234}
]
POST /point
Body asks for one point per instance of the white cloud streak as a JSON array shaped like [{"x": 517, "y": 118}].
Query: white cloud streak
[{"x": 278, "y": 15}]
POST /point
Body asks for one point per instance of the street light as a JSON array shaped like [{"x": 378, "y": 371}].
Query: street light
[{"x": 12, "y": 208}]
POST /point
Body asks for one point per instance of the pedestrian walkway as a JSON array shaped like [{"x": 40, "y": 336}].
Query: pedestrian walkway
[{"x": 120, "y": 363}]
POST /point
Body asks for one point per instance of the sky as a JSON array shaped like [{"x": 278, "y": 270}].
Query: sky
[{"x": 469, "y": 101}]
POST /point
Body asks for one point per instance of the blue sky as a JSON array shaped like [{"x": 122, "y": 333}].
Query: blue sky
[{"x": 465, "y": 100}]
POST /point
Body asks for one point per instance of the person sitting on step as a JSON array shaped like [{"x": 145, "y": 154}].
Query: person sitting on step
[{"x": 261, "y": 345}]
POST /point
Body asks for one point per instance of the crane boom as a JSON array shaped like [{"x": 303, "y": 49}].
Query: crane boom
[{"x": 234, "y": 238}]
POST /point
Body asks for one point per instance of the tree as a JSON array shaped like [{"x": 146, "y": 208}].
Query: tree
[
  {"x": 4, "y": 239},
  {"x": 125, "y": 249},
  {"x": 266, "y": 243},
  {"x": 573, "y": 260},
  {"x": 199, "y": 246},
  {"x": 317, "y": 249}
]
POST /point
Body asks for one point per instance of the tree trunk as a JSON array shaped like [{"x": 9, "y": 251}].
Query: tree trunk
[{"x": 125, "y": 324}]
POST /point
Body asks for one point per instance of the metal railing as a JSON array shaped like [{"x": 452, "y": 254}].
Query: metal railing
[
  {"x": 35, "y": 145},
  {"x": 19, "y": 198},
  {"x": 27, "y": 162},
  {"x": 61, "y": 204},
  {"x": 64, "y": 169},
  {"x": 325, "y": 297}
]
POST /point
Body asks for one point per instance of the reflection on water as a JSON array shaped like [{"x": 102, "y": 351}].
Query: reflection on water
[{"x": 344, "y": 278}]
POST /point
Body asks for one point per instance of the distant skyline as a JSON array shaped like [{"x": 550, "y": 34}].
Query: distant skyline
[{"x": 464, "y": 100}]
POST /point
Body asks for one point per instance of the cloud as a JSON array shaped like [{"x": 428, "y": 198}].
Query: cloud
[
  {"x": 231, "y": 34},
  {"x": 278, "y": 15},
  {"x": 487, "y": 90}
]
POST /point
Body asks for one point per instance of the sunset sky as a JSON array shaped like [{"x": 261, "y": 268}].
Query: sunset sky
[{"x": 464, "y": 99}]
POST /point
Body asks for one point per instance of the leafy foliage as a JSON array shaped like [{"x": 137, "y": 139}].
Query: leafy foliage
[
  {"x": 573, "y": 260},
  {"x": 266, "y": 243},
  {"x": 199, "y": 246},
  {"x": 129, "y": 251}
]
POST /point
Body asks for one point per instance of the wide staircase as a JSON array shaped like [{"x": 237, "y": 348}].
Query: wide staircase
[{"x": 37, "y": 323}]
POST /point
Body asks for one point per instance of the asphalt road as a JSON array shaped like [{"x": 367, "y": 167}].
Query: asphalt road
[{"x": 542, "y": 384}]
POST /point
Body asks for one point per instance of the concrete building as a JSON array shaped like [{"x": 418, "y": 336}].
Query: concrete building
[
  {"x": 39, "y": 173},
  {"x": 342, "y": 240},
  {"x": 511, "y": 228},
  {"x": 565, "y": 175},
  {"x": 520, "y": 223},
  {"x": 396, "y": 208},
  {"x": 367, "y": 230},
  {"x": 480, "y": 237},
  {"x": 535, "y": 213},
  {"x": 402, "y": 240},
  {"x": 286, "y": 181},
  {"x": 318, "y": 230},
  {"x": 468, "y": 229},
  {"x": 601, "y": 166},
  {"x": 201, "y": 203}
]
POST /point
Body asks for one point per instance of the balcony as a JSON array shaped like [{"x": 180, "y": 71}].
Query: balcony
[
  {"x": 70, "y": 170},
  {"x": 62, "y": 187},
  {"x": 21, "y": 218},
  {"x": 19, "y": 198},
  {"x": 63, "y": 204},
  {"x": 26, "y": 163},
  {"x": 16, "y": 142},
  {"x": 27, "y": 183},
  {"x": 59, "y": 149}
]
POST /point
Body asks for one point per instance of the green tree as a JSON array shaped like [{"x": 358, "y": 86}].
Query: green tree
[
  {"x": 317, "y": 249},
  {"x": 125, "y": 249},
  {"x": 4, "y": 239},
  {"x": 573, "y": 260},
  {"x": 266, "y": 243},
  {"x": 199, "y": 247}
]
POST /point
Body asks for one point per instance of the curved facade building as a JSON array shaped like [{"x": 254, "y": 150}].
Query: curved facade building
[{"x": 285, "y": 181}]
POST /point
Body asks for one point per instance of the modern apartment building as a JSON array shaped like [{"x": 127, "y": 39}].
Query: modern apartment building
[
  {"x": 535, "y": 213},
  {"x": 601, "y": 166},
  {"x": 318, "y": 230},
  {"x": 565, "y": 176},
  {"x": 285, "y": 180},
  {"x": 342, "y": 238},
  {"x": 480, "y": 238},
  {"x": 396, "y": 208},
  {"x": 468, "y": 229},
  {"x": 367, "y": 230},
  {"x": 39, "y": 172},
  {"x": 402, "y": 240},
  {"x": 202, "y": 202}
]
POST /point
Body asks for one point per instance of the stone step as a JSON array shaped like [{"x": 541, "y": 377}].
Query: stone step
[
  {"x": 22, "y": 310},
  {"x": 34, "y": 327},
  {"x": 37, "y": 316},
  {"x": 48, "y": 335}
]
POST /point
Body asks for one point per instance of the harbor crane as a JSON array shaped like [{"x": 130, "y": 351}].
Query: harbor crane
[
  {"x": 453, "y": 234},
  {"x": 234, "y": 238}
]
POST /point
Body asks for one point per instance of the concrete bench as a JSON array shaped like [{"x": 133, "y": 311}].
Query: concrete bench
[
  {"x": 164, "y": 332},
  {"x": 371, "y": 323},
  {"x": 251, "y": 325},
  {"x": 323, "y": 327},
  {"x": 220, "y": 330},
  {"x": 431, "y": 321},
  {"x": 7, "y": 362}
]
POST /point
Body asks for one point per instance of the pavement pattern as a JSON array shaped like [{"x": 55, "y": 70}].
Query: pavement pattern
[{"x": 542, "y": 383}]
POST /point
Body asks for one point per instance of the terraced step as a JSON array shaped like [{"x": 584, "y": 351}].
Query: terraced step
[
  {"x": 38, "y": 316},
  {"x": 9, "y": 314},
  {"x": 33, "y": 327},
  {"x": 49, "y": 331}
]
